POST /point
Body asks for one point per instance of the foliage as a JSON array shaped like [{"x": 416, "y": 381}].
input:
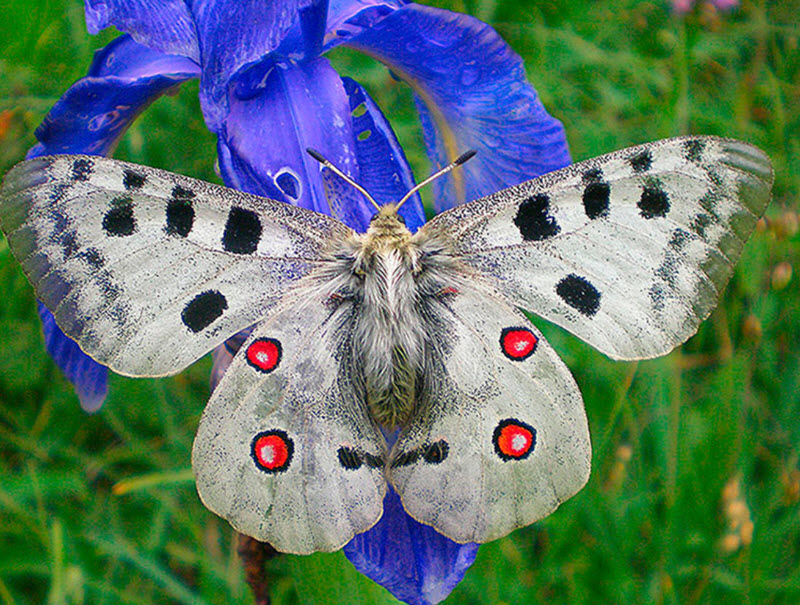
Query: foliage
[{"x": 689, "y": 450}]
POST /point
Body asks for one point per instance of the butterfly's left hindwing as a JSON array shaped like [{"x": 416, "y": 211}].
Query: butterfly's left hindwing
[
  {"x": 285, "y": 450},
  {"x": 501, "y": 437}
]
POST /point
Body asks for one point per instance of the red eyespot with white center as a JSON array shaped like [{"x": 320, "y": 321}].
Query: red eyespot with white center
[
  {"x": 518, "y": 343},
  {"x": 514, "y": 439},
  {"x": 264, "y": 354},
  {"x": 272, "y": 451}
]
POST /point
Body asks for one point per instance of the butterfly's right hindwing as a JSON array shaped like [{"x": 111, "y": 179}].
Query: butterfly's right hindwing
[
  {"x": 501, "y": 437},
  {"x": 148, "y": 270},
  {"x": 286, "y": 450}
]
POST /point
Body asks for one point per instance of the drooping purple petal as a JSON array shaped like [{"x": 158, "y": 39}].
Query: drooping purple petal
[
  {"x": 412, "y": 561},
  {"x": 276, "y": 112},
  {"x": 124, "y": 78},
  {"x": 223, "y": 355},
  {"x": 383, "y": 168},
  {"x": 474, "y": 95},
  {"x": 233, "y": 34},
  {"x": 89, "y": 378},
  {"x": 166, "y": 26},
  {"x": 347, "y": 19}
]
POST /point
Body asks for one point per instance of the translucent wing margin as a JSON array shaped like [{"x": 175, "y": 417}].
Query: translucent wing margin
[
  {"x": 628, "y": 251},
  {"x": 148, "y": 270}
]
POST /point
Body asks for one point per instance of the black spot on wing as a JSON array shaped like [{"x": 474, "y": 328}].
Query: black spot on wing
[
  {"x": 242, "y": 231},
  {"x": 693, "y": 150},
  {"x": 642, "y": 161},
  {"x": 373, "y": 461},
  {"x": 436, "y": 452},
  {"x": 133, "y": 180},
  {"x": 119, "y": 220},
  {"x": 579, "y": 293},
  {"x": 700, "y": 223},
  {"x": 405, "y": 459},
  {"x": 92, "y": 257},
  {"x": 180, "y": 217},
  {"x": 82, "y": 169},
  {"x": 592, "y": 175},
  {"x": 203, "y": 310},
  {"x": 69, "y": 243},
  {"x": 596, "y": 197},
  {"x": 180, "y": 213},
  {"x": 534, "y": 220},
  {"x": 349, "y": 458},
  {"x": 182, "y": 193},
  {"x": 654, "y": 202}
]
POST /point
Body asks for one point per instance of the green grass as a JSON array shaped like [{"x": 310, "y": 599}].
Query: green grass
[{"x": 669, "y": 435}]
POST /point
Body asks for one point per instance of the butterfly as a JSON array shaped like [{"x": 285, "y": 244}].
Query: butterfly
[{"x": 387, "y": 358}]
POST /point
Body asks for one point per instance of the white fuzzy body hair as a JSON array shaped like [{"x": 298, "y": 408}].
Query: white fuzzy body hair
[{"x": 389, "y": 286}]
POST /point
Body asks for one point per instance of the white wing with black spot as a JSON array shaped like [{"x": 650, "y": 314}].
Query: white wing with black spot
[
  {"x": 285, "y": 449},
  {"x": 501, "y": 437},
  {"x": 149, "y": 270},
  {"x": 629, "y": 251}
]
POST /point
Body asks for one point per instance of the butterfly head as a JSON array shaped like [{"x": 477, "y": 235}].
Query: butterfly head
[{"x": 387, "y": 230}]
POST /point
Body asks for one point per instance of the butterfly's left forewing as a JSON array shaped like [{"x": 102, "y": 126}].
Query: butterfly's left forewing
[
  {"x": 148, "y": 270},
  {"x": 501, "y": 437},
  {"x": 285, "y": 449}
]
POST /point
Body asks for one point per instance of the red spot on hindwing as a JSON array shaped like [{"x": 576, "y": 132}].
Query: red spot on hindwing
[
  {"x": 264, "y": 354},
  {"x": 272, "y": 451},
  {"x": 514, "y": 439},
  {"x": 518, "y": 343}
]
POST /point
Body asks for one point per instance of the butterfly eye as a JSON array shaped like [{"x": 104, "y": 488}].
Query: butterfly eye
[{"x": 401, "y": 219}]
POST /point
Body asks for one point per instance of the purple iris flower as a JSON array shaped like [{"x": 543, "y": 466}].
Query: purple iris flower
[{"x": 267, "y": 92}]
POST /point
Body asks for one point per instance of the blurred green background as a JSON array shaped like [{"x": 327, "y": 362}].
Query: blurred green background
[{"x": 695, "y": 484}]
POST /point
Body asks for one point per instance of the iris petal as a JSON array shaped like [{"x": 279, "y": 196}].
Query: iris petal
[
  {"x": 347, "y": 19},
  {"x": 474, "y": 95},
  {"x": 125, "y": 77},
  {"x": 412, "y": 561},
  {"x": 89, "y": 378},
  {"x": 276, "y": 112},
  {"x": 234, "y": 34},
  {"x": 384, "y": 170},
  {"x": 166, "y": 26}
]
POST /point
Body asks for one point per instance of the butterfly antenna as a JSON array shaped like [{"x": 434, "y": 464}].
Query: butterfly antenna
[
  {"x": 322, "y": 160},
  {"x": 454, "y": 164}
]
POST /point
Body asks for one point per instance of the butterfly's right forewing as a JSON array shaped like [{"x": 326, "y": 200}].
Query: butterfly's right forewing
[
  {"x": 629, "y": 251},
  {"x": 148, "y": 270}
]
